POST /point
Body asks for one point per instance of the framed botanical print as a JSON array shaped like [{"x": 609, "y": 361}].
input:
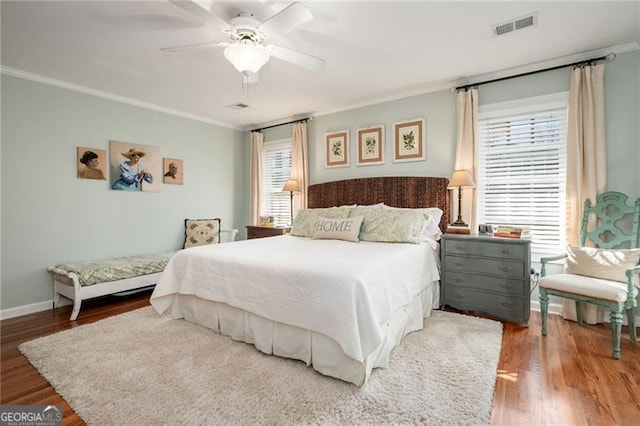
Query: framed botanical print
[
  {"x": 409, "y": 140},
  {"x": 370, "y": 145},
  {"x": 337, "y": 149}
]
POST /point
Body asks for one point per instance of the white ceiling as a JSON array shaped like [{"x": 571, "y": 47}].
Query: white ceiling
[{"x": 374, "y": 50}]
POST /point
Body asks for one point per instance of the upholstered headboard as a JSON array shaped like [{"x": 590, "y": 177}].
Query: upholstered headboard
[{"x": 410, "y": 192}]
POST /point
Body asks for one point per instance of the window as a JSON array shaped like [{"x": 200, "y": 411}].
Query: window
[
  {"x": 522, "y": 168},
  {"x": 276, "y": 169}
]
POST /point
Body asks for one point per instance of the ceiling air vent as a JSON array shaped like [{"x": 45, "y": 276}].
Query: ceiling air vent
[
  {"x": 238, "y": 105},
  {"x": 515, "y": 24}
]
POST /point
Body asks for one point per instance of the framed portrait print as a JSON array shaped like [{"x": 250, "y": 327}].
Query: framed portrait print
[
  {"x": 409, "y": 140},
  {"x": 133, "y": 167},
  {"x": 92, "y": 163},
  {"x": 173, "y": 171},
  {"x": 337, "y": 149},
  {"x": 370, "y": 145}
]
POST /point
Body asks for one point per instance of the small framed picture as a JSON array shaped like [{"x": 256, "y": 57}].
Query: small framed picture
[
  {"x": 92, "y": 163},
  {"x": 172, "y": 170},
  {"x": 409, "y": 140},
  {"x": 370, "y": 145},
  {"x": 337, "y": 149}
]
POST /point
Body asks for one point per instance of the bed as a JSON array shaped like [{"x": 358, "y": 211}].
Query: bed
[{"x": 339, "y": 306}]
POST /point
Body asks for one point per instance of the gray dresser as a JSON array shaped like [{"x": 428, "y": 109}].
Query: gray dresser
[{"x": 487, "y": 274}]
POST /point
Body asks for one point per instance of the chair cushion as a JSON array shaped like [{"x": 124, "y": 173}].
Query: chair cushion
[
  {"x": 597, "y": 288},
  {"x": 602, "y": 263}
]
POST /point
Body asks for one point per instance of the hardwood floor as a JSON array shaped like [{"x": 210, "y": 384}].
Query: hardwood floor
[{"x": 565, "y": 378}]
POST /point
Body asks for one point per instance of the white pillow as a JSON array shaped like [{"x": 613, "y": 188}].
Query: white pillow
[
  {"x": 368, "y": 206},
  {"x": 430, "y": 228},
  {"x": 602, "y": 263},
  {"x": 346, "y": 229}
]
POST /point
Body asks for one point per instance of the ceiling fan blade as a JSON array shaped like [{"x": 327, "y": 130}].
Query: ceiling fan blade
[
  {"x": 185, "y": 48},
  {"x": 298, "y": 58},
  {"x": 287, "y": 19},
  {"x": 202, "y": 10}
]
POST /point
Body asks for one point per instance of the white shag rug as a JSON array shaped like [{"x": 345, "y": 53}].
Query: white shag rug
[{"x": 139, "y": 368}]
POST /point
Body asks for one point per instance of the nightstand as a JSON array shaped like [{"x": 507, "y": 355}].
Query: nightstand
[
  {"x": 487, "y": 274},
  {"x": 265, "y": 231}
]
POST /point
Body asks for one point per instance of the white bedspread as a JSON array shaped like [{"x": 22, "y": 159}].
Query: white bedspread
[{"x": 342, "y": 289}]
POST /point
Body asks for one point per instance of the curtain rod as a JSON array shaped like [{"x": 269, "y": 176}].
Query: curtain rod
[
  {"x": 302, "y": 120},
  {"x": 608, "y": 57}
]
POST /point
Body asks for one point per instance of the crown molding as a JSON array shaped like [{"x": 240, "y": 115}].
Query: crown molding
[{"x": 110, "y": 96}]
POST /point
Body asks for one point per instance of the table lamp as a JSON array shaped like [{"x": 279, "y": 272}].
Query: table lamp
[
  {"x": 291, "y": 185},
  {"x": 459, "y": 179}
]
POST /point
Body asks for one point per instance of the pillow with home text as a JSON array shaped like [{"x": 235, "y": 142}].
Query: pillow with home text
[
  {"x": 305, "y": 219},
  {"x": 346, "y": 229}
]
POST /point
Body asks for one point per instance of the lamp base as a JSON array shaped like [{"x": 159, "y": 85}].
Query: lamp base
[{"x": 459, "y": 222}]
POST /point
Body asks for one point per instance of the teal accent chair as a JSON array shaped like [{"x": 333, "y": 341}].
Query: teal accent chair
[{"x": 610, "y": 209}]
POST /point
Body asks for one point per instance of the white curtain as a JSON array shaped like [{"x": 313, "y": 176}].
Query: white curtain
[
  {"x": 586, "y": 160},
  {"x": 300, "y": 165},
  {"x": 467, "y": 125},
  {"x": 255, "y": 189}
]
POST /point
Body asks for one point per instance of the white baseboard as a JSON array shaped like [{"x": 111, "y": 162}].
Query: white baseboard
[
  {"x": 554, "y": 308},
  {"x": 26, "y": 309}
]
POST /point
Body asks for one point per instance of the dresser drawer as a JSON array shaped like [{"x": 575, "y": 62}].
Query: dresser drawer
[
  {"x": 501, "y": 268},
  {"x": 504, "y": 286},
  {"x": 486, "y": 249},
  {"x": 509, "y": 308}
]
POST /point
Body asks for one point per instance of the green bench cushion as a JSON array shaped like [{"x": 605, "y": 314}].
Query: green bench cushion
[{"x": 100, "y": 271}]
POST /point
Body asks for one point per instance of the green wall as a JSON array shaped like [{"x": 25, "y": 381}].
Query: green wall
[{"x": 49, "y": 216}]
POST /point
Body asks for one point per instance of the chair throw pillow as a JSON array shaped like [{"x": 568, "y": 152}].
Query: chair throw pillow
[
  {"x": 199, "y": 232},
  {"x": 346, "y": 229},
  {"x": 607, "y": 264}
]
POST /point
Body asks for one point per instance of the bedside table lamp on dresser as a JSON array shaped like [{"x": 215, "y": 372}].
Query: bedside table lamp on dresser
[
  {"x": 487, "y": 274},
  {"x": 291, "y": 186},
  {"x": 460, "y": 179}
]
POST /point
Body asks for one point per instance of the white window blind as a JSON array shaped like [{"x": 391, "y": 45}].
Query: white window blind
[
  {"x": 276, "y": 169},
  {"x": 521, "y": 169}
]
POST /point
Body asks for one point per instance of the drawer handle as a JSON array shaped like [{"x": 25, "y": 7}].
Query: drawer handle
[
  {"x": 459, "y": 279},
  {"x": 505, "y": 303},
  {"x": 507, "y": 285},
  {"x": 460, "y": 246},
  {"x": 459, "y": 295},
  {"x": 458, "y": 263},
  {"x": 506, "y": 251},
  {"x": 506, "y": 268}
]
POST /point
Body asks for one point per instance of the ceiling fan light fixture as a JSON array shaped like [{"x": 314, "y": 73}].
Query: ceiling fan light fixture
[{"x": 247, "y": 56}]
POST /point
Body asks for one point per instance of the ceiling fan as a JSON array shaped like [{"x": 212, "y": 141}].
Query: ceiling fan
[{"x": 248, "y": 50}]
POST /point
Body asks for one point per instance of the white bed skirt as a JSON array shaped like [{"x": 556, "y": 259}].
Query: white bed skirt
[{"x": 315, "y": 349}]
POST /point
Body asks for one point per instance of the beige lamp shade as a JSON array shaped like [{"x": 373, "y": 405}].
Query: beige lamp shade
[
  {"x": 461, "y": 178},
  {"x": 291, "y": 185}
]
